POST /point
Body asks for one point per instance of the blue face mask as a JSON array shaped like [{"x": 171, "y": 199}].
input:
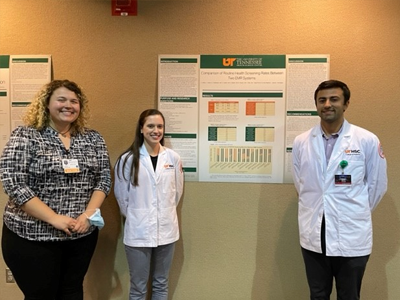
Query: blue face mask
[{"x": 96, "y": 219}]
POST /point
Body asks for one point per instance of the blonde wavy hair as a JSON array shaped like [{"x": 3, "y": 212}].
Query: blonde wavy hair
[{"x": 38, "y": 116}]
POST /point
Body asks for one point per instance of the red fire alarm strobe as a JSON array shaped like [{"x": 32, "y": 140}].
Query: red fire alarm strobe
[{"x": 124, "y": 8}]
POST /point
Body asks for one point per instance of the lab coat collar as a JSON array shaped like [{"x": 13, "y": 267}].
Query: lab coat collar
[
  {"x": 344, "y": 131},
  {"x": 146, "y": 161},
  {"x": 341, "y": 145}
]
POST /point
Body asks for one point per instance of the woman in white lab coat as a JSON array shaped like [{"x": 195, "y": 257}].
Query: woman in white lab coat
[{"x": 148, "y": 187}]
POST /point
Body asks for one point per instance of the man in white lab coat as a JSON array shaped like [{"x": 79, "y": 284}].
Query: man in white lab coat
[{"x": 339, "y": 172}]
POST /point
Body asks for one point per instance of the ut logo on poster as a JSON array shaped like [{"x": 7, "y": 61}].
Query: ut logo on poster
[{"x": 228, "y": 62}]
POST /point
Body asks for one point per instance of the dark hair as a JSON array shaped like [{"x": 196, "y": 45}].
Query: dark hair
[
  {"x": 134, "y": 149},
  {"x": 329, "y": 84}
]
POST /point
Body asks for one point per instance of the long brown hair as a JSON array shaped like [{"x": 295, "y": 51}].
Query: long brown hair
[{"x": 134, "y": 149}]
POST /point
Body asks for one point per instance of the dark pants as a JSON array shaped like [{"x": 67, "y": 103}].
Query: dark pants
[
  {"x": 347, "y": 271},
  {"x": 48, "y": 270},
  {"x": 321, "y": 269}
]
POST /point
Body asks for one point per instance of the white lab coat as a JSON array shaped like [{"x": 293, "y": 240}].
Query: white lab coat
[
  {"x": 347, "y": 209},
  {"x": 150, "y": 207}
]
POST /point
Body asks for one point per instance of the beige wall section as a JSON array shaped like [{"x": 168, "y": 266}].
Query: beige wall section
[{"x": 239, "y": 241}]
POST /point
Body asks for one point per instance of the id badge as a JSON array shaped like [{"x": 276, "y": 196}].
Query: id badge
[
  {"x": 70, "y": 165},
  {"x": 342, "y": 180}
]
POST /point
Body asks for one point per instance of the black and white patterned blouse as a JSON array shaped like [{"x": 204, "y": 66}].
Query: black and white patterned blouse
[{"x": 31, "y": 165}]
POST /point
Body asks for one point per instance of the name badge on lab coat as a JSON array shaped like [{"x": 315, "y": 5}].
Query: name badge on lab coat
[{"x": 342, "y": 179}]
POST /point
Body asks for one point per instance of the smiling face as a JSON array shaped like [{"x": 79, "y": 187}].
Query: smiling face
[
  {"x": 153, "y": 130},
  {"x": 64, "y": 107},
  {"x": 330, "y": 106}
]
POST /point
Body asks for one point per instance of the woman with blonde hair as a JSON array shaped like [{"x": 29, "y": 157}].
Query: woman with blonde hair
[{"x": 56, "y": 172}]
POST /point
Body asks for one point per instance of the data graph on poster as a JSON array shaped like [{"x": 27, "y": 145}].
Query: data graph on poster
[
  {"x": 266, "y": 108},
  {"x": 260, "y": 134},
  {"x": 240, "y": 160},
  {"x": 223, "y": 107},
  {"x": 222, "y": 134}
]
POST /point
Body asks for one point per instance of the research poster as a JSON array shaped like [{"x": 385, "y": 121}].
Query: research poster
[
  {"x": 21, "y": 77},
  {"x": 178, "y": 84},
  {"x": 28, "y": 73},
  {"x": 238, "y": 114},
  {"x": 4, "y": 100},
  {"x": 242, "y": 118},
  {"x": 304, "y": 74}
]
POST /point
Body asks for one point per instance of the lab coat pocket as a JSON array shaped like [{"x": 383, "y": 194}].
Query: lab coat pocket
[
  {"x": 137, "y": 223},
  {"x": 168, "y": 179},
  {"x": 305, "y": 217},
  {"x": 169, "y": 186},
  {"x": 355, "y": 230},
  {"x": 357, "y": 171},
  {"x": 168, "y": 223}
]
